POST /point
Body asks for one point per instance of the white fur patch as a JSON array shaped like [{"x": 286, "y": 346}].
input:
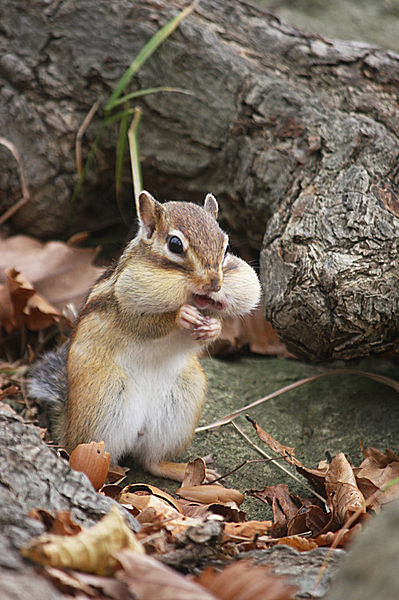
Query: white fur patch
[{"x": 152, "y": 417}]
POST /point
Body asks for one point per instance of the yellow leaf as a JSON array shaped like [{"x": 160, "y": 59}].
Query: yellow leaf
[{"x": 91, "y": 551}]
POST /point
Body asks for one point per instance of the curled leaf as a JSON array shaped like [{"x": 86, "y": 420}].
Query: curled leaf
[
  {"x": 93, "y": 460},
  {"x": 144, "y": 489},
  {"x": 208, "y": 494},
  {"x": 92, "y": 550},
  {"x": 342, "y": 491}
]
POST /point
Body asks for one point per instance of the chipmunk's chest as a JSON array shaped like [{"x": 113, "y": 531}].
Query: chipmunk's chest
[
  {"x": 150, "y": 410},
  {"x": 152, "y": 367}
]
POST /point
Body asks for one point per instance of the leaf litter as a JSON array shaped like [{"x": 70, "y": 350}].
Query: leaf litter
[{"x": 172, "y": 534}]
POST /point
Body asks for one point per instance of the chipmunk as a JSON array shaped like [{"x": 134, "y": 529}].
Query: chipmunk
[{"x": 130, "y": 373}]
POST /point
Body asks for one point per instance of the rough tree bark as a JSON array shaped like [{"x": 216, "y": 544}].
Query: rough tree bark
[
  {"x": 33, "y": 476},
  {"x": 297, "y": 135}
]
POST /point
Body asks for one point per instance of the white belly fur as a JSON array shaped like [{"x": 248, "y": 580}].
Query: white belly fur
[{"x": 153, "y": 418}]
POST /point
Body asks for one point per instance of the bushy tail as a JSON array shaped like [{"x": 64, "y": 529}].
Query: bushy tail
[{"x": 47, "y": 379}]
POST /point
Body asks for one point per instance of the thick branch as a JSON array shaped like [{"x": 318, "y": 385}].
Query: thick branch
[{"x": 289, "y": 130}]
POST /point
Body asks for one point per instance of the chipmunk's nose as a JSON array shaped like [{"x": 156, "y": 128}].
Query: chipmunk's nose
[{"x": 213, "y": 284}]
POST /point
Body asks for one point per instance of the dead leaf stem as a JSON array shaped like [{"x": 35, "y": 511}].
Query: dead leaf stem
[
  {"x": 281, "y": 467},
  {"x": 79, "y": 136}
]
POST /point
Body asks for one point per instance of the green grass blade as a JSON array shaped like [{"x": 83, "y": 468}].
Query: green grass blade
[
  {"x": 117, "y": 116},
  {"x": 148, "y": 91},
  {"x": 150, "y": 47}
]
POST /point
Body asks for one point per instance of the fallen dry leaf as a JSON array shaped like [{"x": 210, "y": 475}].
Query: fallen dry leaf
[
  {"x": 285, "y": 506},
  {"x": 149, "y": 579},
  {"x": 92, "y": 460},
  {"x": 316, "y": 477},
  {"x": 339, "y": 538},
  {"x": 75, "y": 582},
  {"x": 25, "y": 306},
  {"x": 143, "y": 491},
  {"x": 61, "y": 524},
  {"x": 195, "y": 473},
  {"x": 249, "y": 529},
  {"x": 377, "y": 470},
  {"x": 301, "y": 544},
  {"x": 286, "y": 451},
  {"x": 343, "y": 495},
  {"x": 242, "y": 580},
  {"x": 308, "y": 518},
  {"x": 212, "y": 493},
  {"x": 60, "y": 273},
  {"x": 7, "y": 392},
  {"x": 251, "y": 330},
  {"x": 91, "y": 550},
  {"x": 230, "y": 512}
]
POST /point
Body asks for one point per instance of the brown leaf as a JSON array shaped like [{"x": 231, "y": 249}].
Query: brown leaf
[
  {"x": 91, "y": 550},
  {"x": 148, "y": 579},
  {"x": 243, "y": 580},
  {"x": 61, "y": 524},
  {"x": 195, "y": 473},
  {"x": 73, "y": 582},
  {"x": 212, "y": 493},
  {"x": 64, "y": 525},
  {"x": 343, "y": 536},
  {"x": 112, "y": 490},
  {"x": 316, "y": 477},
  {"x": 116, "y": 474},
  {"x": 284, "y": 504},
  {"x": 301, "y": 544},
  {"x": 230, "y": 512},
  {"x": 27, "y": 308},
  {"x": 343, "y": 495},
  {"x": 10, "y": 390},
  {"x": 144, "y": 489},
  {"x": 248, "y": 529},
  {"x": 253, "y": 331},
  {"x": 60, "y": 273},
  {"x": 286, "y": 451},
  {"x": 308, "y": 518},
  {"x": 93, "y": 460},
  {"x": 377, "y": 470}
]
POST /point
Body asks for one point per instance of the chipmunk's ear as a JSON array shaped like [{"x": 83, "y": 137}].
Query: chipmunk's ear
[
  {"x": 149, "y": 212},
  {"x": 211, "y": 205}
]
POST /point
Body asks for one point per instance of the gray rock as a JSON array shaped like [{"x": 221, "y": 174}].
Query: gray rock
[{"x": 370, "y": 571}]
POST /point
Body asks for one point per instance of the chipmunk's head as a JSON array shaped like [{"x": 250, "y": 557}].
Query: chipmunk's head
[{"x": 183, "y": 255}]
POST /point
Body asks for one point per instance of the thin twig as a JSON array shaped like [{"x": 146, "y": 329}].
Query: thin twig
[
  {"x": 228, "y": 418},
  {"x": 243, "y": 464},
  {"x": 24, "y": 186},
  {"x": 274, "y": 461},
  {"x": 81, "y": 131}
]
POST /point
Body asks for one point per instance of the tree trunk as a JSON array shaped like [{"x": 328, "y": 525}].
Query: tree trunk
[{"x": 293, "y": 133}]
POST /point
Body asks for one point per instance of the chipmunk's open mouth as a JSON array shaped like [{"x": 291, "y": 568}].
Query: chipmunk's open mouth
[{"x": 202, "y": 301}]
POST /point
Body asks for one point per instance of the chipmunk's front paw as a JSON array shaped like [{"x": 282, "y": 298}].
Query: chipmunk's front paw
[
  {"x": 203, "y": 329},
  {"x": 208, "y": 331},
  {"x": 189, "y": 317}
]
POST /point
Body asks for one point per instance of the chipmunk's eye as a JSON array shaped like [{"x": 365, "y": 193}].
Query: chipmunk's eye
[{"x": 175, "y": 244}]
